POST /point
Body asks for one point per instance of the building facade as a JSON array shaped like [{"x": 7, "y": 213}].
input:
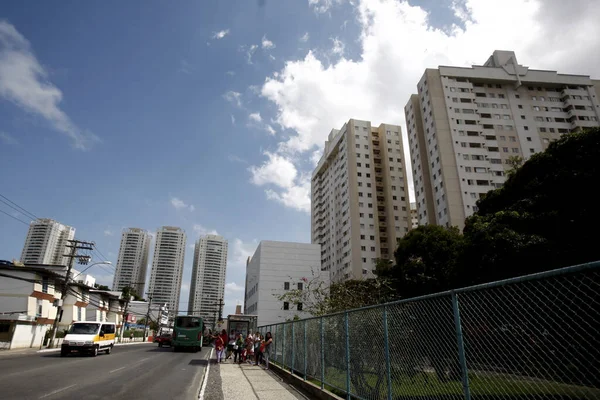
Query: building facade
[
  {"x": 277, "y": 267},
  {"x": 360, "y": 204},
  {"x": 467, "y": 126},
  {"x": 46, "y": 242},
  {"x": 414, "y": 216},
  {"x": 167, "y": 266},
  {"x": 208, "y": 278},
  {"x": 132, "y": 263}
]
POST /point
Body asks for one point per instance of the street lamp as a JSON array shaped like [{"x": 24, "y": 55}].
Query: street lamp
[{"x": 91, "y": 265}]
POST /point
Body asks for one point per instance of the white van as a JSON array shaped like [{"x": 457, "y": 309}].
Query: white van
[{"x": 89, "y": 337}]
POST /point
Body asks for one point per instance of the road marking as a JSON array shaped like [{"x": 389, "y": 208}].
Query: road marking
[
  {"x": 205, "y": 378},
  {"x": 115, "y": 370},
  {"x": 57, "y": 391}
]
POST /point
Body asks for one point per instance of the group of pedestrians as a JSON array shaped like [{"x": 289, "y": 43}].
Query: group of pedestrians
[{"x": 254, "y": 348}]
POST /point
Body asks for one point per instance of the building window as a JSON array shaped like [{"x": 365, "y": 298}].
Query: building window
[
  {"x": 286, "y": 305},
  {"x": 299, "y": 306},
  {"x": 372, "y": 248},
  {"x": 286, "y": 286},
  {"x": 300, "y": 286},
  {"x": 45, "y": 284}
]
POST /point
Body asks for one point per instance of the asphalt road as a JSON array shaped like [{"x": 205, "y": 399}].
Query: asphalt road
[{"x": 141, "y": 371}]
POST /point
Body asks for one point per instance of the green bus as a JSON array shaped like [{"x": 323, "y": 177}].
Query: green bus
[{"x": 188, "y": 333}]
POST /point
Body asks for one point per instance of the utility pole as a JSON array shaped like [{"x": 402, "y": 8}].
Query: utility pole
[
  {"x": 74, "y": 245},
  {"x": 147, "y": 315}
]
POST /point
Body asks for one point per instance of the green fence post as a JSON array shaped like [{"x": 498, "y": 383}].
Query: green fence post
[
  {"x": 461, "y": 347},
  {"x": 293, "y": 340},
  {"x": 347, "y": 356},
  {"x": 283, "y": 348},
  {"x": 386, "y": 342},
  {"x": 322, "y": 355},
  {"x": 305, "y": 352}
]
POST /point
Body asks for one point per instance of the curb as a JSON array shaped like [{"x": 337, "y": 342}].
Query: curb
[{"x": 116, "y": 344}]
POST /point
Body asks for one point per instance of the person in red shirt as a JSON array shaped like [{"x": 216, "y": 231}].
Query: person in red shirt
[{"x": 220, "y": 341}]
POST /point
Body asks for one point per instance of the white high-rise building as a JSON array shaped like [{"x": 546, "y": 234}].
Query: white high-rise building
[
  {"x": 46, "y": 242},
  {"x": 132, "y": 263},
  {"x": 208, "y": 277},
  {"x": 167, "y": 267},
  {"x": 466, "y": 126},
  {"x": 360, "y": 204}
]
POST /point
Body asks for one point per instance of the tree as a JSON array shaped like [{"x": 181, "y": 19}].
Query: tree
[
  {"x": 101, "y": 287},
  {"x": 427, "y": 261},
  {"x": 540, "y": 219}
]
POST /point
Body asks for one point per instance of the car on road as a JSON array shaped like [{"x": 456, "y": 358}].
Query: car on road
[
  {"x": 89, "y": 337},
  {"x": 164, "y": 340}
]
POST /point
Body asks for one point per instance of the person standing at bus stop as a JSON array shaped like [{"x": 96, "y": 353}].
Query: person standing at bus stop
[
  {"x": 219, "y": 347},
  {"x": 267, "y": 351},
  {"x": 225, "y": 339}
]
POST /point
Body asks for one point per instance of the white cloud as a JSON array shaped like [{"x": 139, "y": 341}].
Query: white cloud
[
  {"x": 232, "y": 287},
  {"x": 234, "y": 158},
  {"x": 270, "y": 129},
  {"x": 185, "y": 67},
  {"x": 230, "y": 73},
  {"x": 304, "y": 38},
  {"x": 24, "y": 81},
  {"x": 322, "y": 6},
  {"x": 108, "y": 232},
  {"x": 220, "y": 34},
  {"x": 8, "y": 139},
  {"x": 276, "y": 170},
  {"x": 255, "y": 117},
  {"x": 181, "y": 205},
  {"x": 285, "y": 184},
  {"x": 232, "y": 120},
  {"x": 201, "y": 230},
  {"x": 249, "y": 51},
  {"x": 266, "y": 43},
  {"x": 233, "y": 97},
  {"x": 338, "y": 47},
  {"x": 238, "y": 254},
  {"x": 312, "y": 97}
]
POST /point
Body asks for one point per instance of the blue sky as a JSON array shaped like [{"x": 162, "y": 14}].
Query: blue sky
[{"x": 210, "y": 115}]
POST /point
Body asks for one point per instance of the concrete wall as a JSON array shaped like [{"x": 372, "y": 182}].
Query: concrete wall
[{"x": 26, "y": 335}]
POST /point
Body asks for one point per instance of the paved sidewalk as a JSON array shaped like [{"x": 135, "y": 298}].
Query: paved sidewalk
[{"x": 245, "y": 381}]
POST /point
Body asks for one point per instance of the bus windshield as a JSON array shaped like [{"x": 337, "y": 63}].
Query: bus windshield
[
  {"x": 84, "y": 329},
  {"x": 188, "y": 322}
]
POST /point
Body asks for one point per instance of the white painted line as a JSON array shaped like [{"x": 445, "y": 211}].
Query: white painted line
[
  {"x": 57, "y": 391},
  {"x": 205, "y": 378},
  {"x": 115, "y": 370}
]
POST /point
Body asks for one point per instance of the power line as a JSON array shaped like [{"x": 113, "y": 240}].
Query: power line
[
  {"x": 24, "y": 210},
  {"x": 13, "y": 217}
]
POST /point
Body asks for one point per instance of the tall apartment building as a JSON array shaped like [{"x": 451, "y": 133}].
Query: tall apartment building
[
  {"x": 360, "y": 203},
  {"x": 465, "y": 125},
  {"x": 208, "y": 277},
  {"x": 132, "y": 263},
  {"x": 46, "y": 242},
  {"x": 167, "y": 266},
  {"x": 414, "y": 218}
]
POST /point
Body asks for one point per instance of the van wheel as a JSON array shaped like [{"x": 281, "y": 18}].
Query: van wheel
[
  {"x": 95, "y": 351},
  {"x": 108, "y": 349}
]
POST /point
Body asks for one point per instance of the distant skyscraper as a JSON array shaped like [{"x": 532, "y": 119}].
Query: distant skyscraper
[
  {"x": 133, "y": 260},
  {"x": 46, "y": 242},
  {"x": 208, "y": 277},
  {"x": 167, "y": 266}
]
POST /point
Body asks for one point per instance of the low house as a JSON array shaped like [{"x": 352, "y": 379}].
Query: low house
[
  {"x": 105, "y": 306},
  {"x": 27, "y": 295}
]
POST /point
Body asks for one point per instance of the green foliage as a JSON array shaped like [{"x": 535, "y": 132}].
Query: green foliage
[
  {"x": 427, "y": 261},
  {"x": 542, "y": 216},
  {"x": 101, "y": 287}
]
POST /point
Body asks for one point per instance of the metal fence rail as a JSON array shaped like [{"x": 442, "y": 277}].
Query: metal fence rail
[{"x": 536, "y": 336}]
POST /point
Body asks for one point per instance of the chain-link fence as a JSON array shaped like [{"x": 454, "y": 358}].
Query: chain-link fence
[{"x": 530, "y": 337}]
